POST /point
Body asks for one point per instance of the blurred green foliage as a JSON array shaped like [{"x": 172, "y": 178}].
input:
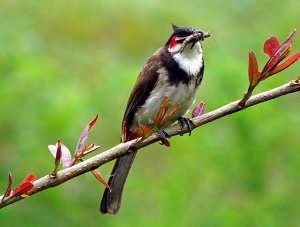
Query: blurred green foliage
[{"x": 61, "y": 62}]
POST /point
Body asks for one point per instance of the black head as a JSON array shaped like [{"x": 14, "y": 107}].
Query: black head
[{"x": 180, "y": 34}]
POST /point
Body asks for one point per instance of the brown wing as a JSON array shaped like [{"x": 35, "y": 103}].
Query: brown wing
[{"x": 141, "y": 90}]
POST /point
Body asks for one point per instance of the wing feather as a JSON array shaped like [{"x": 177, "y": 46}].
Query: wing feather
[{"x": 144, "y": 85}]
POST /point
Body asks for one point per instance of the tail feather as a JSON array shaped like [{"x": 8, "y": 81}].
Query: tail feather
[{"x": 111, "y": 200}]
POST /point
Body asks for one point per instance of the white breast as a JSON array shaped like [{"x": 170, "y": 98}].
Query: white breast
[{"x": 181, "y": 95}]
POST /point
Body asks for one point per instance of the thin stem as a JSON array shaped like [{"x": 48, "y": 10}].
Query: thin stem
[{"x": 111, "y": 154}]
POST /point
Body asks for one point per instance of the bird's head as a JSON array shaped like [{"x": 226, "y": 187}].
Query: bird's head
[{"x": 185, "y": 39}]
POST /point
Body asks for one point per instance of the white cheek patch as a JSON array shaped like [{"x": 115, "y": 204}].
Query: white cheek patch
[{"x": 175, "y": 48}]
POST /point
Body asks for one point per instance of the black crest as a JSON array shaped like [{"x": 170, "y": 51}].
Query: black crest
[
  {"x": 180, "y": 32},
  {"x": 175, "y": 27}
]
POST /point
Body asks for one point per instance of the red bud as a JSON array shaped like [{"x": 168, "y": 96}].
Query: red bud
[{"x": 8, "y": 189}]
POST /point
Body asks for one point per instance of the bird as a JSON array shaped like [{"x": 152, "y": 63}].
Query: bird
[{"x": 174, "y": 71}]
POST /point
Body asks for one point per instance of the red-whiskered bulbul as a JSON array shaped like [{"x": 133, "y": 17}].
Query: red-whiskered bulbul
[{"x": 174, "y": 71}]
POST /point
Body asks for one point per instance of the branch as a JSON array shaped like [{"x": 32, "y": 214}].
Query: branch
[{"x": 111, "y": 154}]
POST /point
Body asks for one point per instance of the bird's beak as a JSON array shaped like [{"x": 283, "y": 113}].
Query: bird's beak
[
  {"x": 201, "y": 35},
  {"x": 197, "y": 36},
  {"x": 193, "y": 38},
  {"x": 205, "y": 35}
]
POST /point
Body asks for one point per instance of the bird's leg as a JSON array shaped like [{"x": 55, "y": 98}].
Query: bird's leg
[
  {"x": 186, "y": 122},
  {"x": 163, "y": 134}
]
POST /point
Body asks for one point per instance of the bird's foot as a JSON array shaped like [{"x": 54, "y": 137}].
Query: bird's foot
[
  {"x": 186, "y": 122},
  {"x": 163, "y": 135}
]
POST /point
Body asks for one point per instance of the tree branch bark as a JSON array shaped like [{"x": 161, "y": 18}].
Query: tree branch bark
[{"x": 111, "y": 154}]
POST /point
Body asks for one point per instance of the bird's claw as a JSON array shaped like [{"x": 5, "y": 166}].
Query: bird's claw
[
  {"x": 163, "y": 135},
  {"x": 186, "y": 122}
]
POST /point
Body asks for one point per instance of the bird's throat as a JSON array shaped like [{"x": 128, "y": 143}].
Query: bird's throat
[{"x": 190, "y": 59}]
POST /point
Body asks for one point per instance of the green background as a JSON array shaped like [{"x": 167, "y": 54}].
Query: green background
[{"x": 61, "y": 62}]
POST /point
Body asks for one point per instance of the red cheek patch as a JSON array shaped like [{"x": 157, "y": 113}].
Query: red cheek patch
[{"x": 172, "y": 42}]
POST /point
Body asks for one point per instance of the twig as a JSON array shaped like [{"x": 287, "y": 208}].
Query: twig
[{"x": 109, "y": 155}]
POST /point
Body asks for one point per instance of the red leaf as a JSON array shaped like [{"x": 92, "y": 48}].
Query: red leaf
[
  {"x": 8, "y": 189},
  {"x": 286, "y": 64},
  {"x": 199, "y": 109},
  {"x": 285, "y": 53},
  {"x": 93, "y": 122},
  {"x": 83, "y": 137},
  {"x": 287, "y": 43},
  {"x": 99, "y": 177},
  {"x": 253, "y": 72},
  {"x": 90, "y": 148},
  {"x": 277, "y": 56},
  {"x": 58, "y": 154},
  {"x": 25, "y": 186},
  {"x": 30, "y": 178},
  {"x": 22, "y": 189},
  {"x": 271, "y": 46}
]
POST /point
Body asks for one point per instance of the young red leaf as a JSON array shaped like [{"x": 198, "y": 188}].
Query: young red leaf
[
  {"x": 277, "y": 56},
  {"x": 285, "y": 53},
  {"x": 25, "y": 186},
  {"x": 57, "y": 157},
  {"x": 199, "y": 109},
  {"x": 30, "y": 178},
  {"x": 22, "y": 189},
  {"x": 271, "y": 46},
  {"x": 93, "y": 122},
  {"x": 286, "y": 64},
  {"x": 83, "y": 137},
  {"x": 66, "y": 157},
  {"x": 8, "y": 189},
  {"x": 99, "y": 177},
  {"x": 90, "y": 148},
  {"x": 253, "y": 72},
  {"x": 287, "y": 43}
]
